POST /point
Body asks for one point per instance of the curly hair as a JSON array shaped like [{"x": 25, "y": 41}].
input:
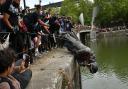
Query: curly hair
[{"x": 7, "y": 57}]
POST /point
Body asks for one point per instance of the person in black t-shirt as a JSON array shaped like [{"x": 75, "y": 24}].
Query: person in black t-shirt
[
  {"x": 11, "y": 12},
  {"x": 32, "y": 20},
  {"x": 11, "y": 22},
  {"x": 43, "y": 16}
]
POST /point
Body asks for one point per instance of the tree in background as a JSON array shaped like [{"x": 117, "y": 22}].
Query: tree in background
[
  {"x": 86, "y": 7},
  {"x": 74, "y": 8},
  {"x": 70, "y": 8},
  {"x": 111, "y": 12}
]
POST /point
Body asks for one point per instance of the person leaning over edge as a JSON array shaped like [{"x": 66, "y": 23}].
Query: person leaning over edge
[
  {"x": 31, "y": 20},
  {"x": 8, "y": 68}
]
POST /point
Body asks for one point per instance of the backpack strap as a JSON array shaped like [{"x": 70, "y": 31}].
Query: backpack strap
[{"x": 3, "y": 79}]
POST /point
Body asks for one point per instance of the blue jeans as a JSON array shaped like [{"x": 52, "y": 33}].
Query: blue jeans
[{"x": 24, "y": 77}]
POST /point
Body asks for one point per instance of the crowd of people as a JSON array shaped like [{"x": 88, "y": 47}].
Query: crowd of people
[{"x": 24, "y": 35}]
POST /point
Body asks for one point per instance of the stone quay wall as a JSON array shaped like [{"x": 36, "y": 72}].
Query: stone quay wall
[{"x": 55, "y": 70}]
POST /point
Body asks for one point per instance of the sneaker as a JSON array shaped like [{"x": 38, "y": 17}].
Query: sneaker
[{"x": 37, "y": 54}]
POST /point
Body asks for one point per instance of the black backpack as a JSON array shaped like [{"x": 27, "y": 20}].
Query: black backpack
[{"x": 3, "y": 79}]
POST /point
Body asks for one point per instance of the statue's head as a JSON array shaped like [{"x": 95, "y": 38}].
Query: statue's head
[
  {"x": 87, "y": 58},
  {"x": 93, "y": 67}
]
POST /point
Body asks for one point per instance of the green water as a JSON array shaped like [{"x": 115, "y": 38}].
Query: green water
[{"x": 112, "y": 58}]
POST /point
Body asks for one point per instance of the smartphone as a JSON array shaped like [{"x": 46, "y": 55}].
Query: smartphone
[{"x": 26, "y": 58}]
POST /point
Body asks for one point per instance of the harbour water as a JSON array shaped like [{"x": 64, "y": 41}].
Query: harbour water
[{"x": 112, "y": 58}]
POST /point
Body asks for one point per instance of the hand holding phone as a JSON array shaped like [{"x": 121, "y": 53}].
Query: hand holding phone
[{"x": 26, "y": 59}]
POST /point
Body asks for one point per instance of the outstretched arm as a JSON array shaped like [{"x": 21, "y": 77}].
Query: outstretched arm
[
  {"x": 5, "y": 18},
  {"x": 43, "y": 25}
]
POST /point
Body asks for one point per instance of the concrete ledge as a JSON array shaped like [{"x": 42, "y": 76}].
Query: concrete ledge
[{"x": 55, "y": 70}]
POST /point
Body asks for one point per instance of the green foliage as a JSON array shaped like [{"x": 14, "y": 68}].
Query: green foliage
[
  {"x": 54, "y": 10},
  {"x": 111, "y": 12},
  {"x": 86, "y": 8},
  {"x": 73, "y": 8},
  {"x": 70, "y": 8}
]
